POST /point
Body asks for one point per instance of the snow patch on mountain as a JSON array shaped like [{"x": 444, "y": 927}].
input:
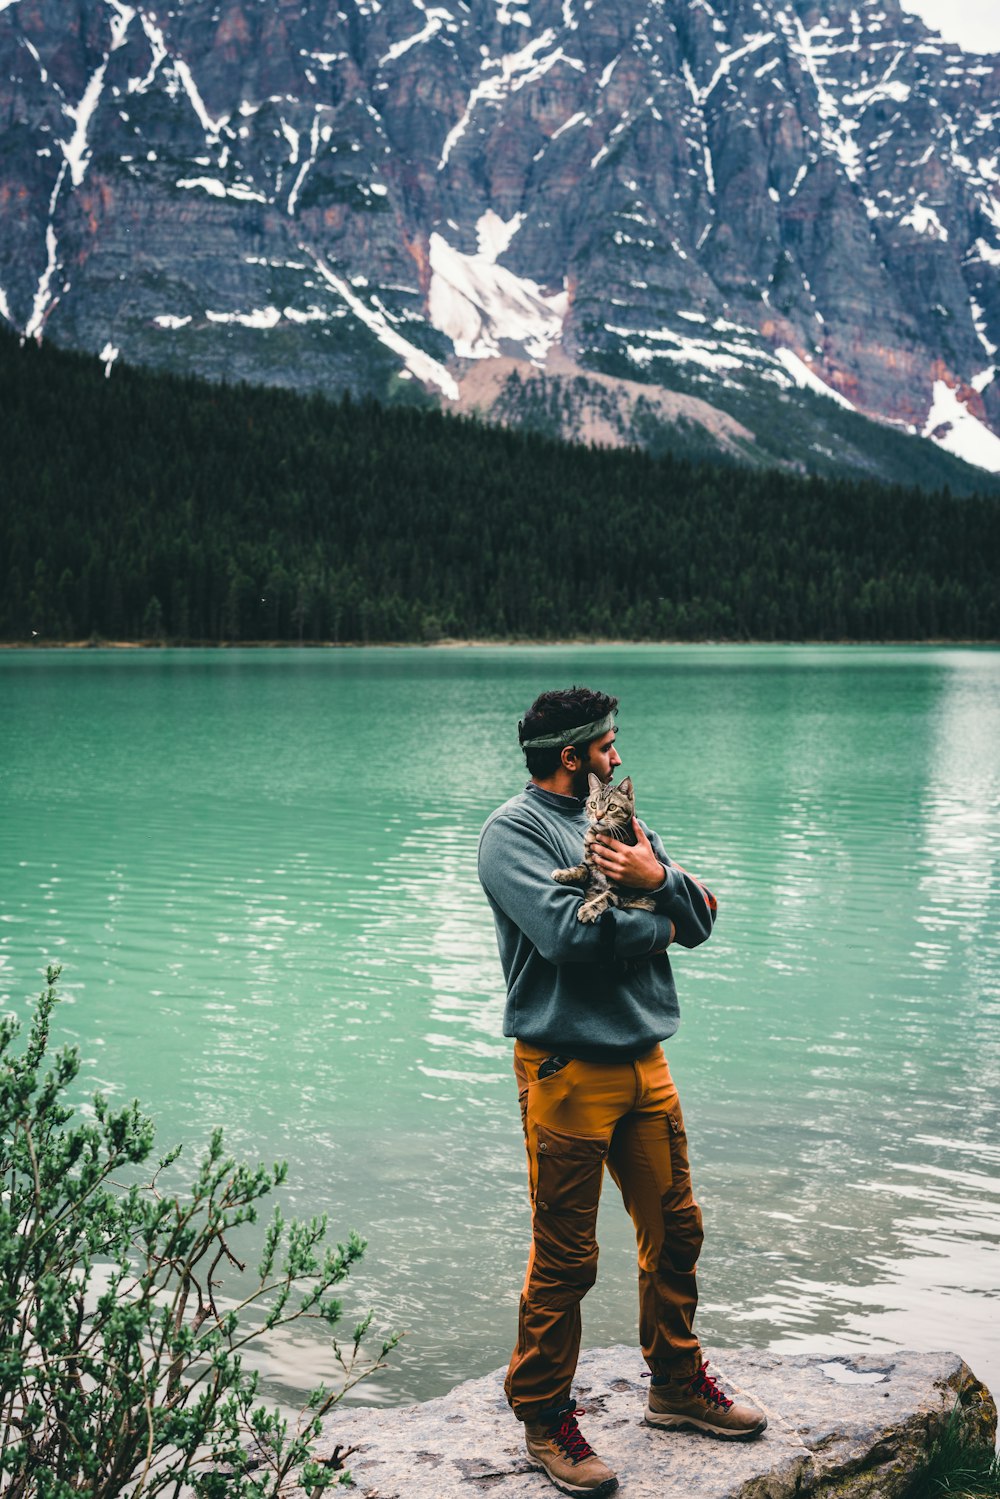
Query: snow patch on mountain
[
  {"x": 212, "y": 128},
  {"x": 808, "y": 379},
  {"x": 568, "y": 125},
  {"x": 260, "y": 317},
  {"x": 417, "y": 362},
  {"x": 217, "y": 189},
  {"x": 478, "y": 304},
  {"x": 122, "y": 19},
  {"x": 493, "y": 235},
  {"x": 314, "y": 143},
  {"x": 75, "y": 149},
  {"x": 952, "y": 426},
  {"x": 922, "y": 219},
  {"x": 158, "y": 53},
  {"x": 44, "y": 295},
  {"x": 711, "y": 355},
  {"x": 433, "y": 24},
  {"x": 311, "y": 314},
  {"x": 753, "y": 44},
  {"x": 605, "y": 77},
  {"x": 986, "y": 253},
  {"x": 837, "y": 130},
  {"x": 979, "y": 323},
  {"x": 513, "y": 71}
]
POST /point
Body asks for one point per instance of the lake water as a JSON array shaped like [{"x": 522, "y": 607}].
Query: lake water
[{"x": 258, "y": 868}]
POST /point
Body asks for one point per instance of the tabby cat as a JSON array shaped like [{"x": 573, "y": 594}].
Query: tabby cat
[{"x": 610, "y": 810}]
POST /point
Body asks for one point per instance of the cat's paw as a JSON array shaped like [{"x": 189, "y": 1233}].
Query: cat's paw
[{"x": 591, "y": 912}]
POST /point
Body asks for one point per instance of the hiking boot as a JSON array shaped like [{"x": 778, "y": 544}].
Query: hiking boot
[
  {"x": 557, "y": 1444},
  {"x": 698, "y": 1404}
]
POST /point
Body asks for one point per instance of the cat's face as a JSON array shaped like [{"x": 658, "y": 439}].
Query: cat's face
[{"x": 610, "y": 807}]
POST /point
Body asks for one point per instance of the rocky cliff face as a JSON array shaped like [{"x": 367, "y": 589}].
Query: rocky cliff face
[{"x": 735, "y": 200}]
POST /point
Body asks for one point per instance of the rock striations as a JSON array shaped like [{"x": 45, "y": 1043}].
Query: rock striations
[
  {"x": 840, "y": 1428},
  {"x": 734, "y": 200}
]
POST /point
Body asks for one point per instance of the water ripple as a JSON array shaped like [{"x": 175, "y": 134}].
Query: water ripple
[{"x": 269, "y": 917}]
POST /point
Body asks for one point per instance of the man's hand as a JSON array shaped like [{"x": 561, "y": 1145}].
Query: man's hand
[{"x": 637, "y": 867}]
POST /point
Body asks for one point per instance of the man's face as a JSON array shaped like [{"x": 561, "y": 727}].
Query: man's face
[{"x": 602, "y": 761}]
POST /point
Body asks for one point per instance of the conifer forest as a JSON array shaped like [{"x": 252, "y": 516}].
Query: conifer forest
[{"x": 155, "y": 507}]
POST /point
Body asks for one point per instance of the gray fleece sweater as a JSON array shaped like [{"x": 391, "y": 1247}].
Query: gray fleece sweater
[{"x": 598, "y": 992}]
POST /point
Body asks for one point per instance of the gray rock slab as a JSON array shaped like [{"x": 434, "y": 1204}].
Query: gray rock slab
[{"x": 838, "y": 1427}]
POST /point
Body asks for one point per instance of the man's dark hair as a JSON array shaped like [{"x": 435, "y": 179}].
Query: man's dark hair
[{"x": 553, "y": 711}]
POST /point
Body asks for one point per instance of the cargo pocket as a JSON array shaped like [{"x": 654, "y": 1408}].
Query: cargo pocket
[
  {"x": 570, "y": 1168},
  {"x": 563, "y": 1264},
  {"x": 564, "y": 1223}
]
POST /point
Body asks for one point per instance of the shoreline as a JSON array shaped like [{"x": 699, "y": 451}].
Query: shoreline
[{"x": 450, "y": 643}]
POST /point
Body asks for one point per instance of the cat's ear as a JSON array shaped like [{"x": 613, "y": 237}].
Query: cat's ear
[
  {"x": 594, "y": 782},
  {"x": 625, "y": 786}
]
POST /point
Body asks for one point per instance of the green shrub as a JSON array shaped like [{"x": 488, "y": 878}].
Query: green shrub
[
  {"x": 121, "y": 1360},
  {"x": 958, "y": 1468}
]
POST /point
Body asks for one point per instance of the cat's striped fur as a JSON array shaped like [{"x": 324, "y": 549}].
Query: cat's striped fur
[{"x": 610, "y": 810}]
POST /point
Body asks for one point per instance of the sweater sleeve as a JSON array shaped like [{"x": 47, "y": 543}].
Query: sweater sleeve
[
  {"x": 515, "y": 867},
  {"x": 690, "y": 905}
]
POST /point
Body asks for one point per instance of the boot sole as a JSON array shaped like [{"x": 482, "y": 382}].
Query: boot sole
[
  {"x": 690, "y": 1423},
  {"x": 608, "y": 1487}
]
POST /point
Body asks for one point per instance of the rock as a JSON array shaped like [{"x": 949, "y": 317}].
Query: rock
[
  {"x": 839, "y": 1427},
  {"x": 567, "y": 400}
]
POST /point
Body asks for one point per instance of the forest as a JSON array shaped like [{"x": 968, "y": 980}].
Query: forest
[{"x": 159, "y": 508}]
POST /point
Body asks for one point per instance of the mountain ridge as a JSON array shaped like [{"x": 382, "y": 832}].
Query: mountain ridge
[{"x": 735, "y": 202}]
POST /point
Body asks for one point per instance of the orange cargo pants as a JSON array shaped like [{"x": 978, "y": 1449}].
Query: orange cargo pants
[{"x": 627, "y": 1115}]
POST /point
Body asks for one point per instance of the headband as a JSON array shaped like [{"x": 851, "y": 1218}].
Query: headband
[{"x": 565, "y": 737}]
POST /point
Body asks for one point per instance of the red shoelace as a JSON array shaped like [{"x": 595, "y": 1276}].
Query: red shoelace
[
  {"x": 704, "y": 1385},
  {"x": 570, "y": 1438}
]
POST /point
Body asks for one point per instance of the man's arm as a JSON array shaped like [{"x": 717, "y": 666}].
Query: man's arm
[
  {"x": 515, "y": 867},
  {"x": 690, "y": 905}
]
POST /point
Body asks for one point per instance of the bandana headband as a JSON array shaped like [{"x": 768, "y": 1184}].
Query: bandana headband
[{"x": 582, "y": 735}]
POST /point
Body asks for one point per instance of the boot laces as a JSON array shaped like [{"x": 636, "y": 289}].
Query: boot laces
[
  {"x": 569, "y": 1436},
  {"x": 703, "y": 1384}
]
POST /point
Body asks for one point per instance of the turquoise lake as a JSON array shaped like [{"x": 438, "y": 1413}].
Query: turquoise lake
[{"x": 258, "y": 870}]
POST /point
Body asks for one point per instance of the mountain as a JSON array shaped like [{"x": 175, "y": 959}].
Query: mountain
[{"x": 732, "y": 226}]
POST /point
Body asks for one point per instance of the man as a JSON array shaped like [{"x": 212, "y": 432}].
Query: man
[{"x": 589, "y": 1005}]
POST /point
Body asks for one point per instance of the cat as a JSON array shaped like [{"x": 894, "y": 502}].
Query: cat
[{"x": 610, "y": 810}]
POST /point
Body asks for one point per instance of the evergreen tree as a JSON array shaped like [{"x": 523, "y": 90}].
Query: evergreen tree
[{"x": 174, "y": 509}]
